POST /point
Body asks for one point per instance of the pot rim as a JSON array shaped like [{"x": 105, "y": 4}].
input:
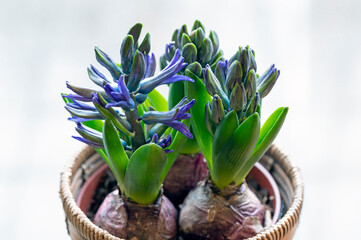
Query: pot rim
[{"x": 88, "y": 229}]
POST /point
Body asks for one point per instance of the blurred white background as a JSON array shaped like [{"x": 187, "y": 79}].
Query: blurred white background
[{"x": 316, "y": 44}]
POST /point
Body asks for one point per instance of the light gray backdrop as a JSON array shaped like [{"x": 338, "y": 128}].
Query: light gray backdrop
[{"x": 316, "y": 44}]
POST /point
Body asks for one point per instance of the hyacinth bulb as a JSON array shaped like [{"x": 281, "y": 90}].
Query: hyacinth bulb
[{"x": 128, "y": 220}]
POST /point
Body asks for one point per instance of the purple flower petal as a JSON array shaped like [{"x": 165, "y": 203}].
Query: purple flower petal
[
  {"x": 155, "y": 138},
  {"x": 177, "y": 78},
  {"x": 90, "y": 143},
  {"x": 151, "y": 66},
  {"x": 180, "y": 127},
  {"x": 80, "y": 105},
  {"x": 78, "y": 119},
  {"x": 77, "y": 97},
  {"x": 96, "y": 71}
]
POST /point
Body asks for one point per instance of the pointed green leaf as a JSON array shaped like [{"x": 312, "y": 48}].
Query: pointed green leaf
[
  {"x": 95, "y": 124},
  {"x": 157, "y": 101},
  {"x": 224, "y": 131},
  {"x": 190, "y": 147},
  {"x": 176, "y": 93},
  {"x": 142, "y": 178},
  {"x": 118, "y": 159},
  {"x": 198, "y": 91},
  {"x": 268, "y": 133},
  {"x": 235, "y": 152}
]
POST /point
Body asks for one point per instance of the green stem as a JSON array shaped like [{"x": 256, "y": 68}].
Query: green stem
[{"x": 132, "y": 117}]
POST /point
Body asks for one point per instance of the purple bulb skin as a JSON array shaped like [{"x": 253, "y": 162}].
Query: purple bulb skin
[
  {"x": 233, "y": 213},
  {"x": 126, "y": 219},
  {"x": 186, "y": 172}
]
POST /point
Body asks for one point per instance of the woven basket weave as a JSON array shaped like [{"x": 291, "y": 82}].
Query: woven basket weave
[{"x": 80, "y": 227}]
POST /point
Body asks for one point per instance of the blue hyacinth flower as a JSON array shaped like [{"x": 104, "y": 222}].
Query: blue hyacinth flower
[
  {"x": 171, "y": 118},
  {"x": 166, "y": 76}
]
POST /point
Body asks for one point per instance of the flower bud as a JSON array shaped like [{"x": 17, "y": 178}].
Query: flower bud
[
  {"x": 236, "y": 56},
  {"x": 215, "y": 42},
  {"x": 157, "y": 129},
  {"x": 126, "y": 53},
  {"x": 197, "y": 24},
  {"x": 175, "y": 38},
  {"x": 253, "y": 64},
  {"x": 220, "y": 72},
  {"x": 195, "y": 68},
  {"x": 213, "y": 86},
  {"x": 140, "y": 98},
  {"x": 107, "y": 62},
  {"x": 170, "y": 50},
  {"x": 252, "y": 106},
  {"x": 234, "y": 75},
  {"x": 238, "y": 98},
  {"x": 135, "y": 32},
  {"x": 163, "y": 61},
  {"x": 208, "y": 117},
  {"x": 97, "y": 77},
  {"x": 145, "y": 45},
  {"x": 250, "y": 84},
  {"x": 182, "y": 30},
  {"x": 185, "y": 39},
  {"x": 137, "y": 71},
  {"x": 245, "y": 61},
  {"x": 206, "y": 51},
  {"x": 197, "y": 37},
  {"x": 189, "y": 52},
  {"x": 266, "y": 82},
  {"x": 217, "y": 110}
]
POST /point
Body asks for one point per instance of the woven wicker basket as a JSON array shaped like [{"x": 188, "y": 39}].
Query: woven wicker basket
[{"x": 80, "y": 227}]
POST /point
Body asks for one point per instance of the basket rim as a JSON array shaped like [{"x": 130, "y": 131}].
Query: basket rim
[{"x": 89, "y": 230}]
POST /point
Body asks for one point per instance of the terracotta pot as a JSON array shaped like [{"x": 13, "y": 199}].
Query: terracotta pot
[{"x": 82, "y": 176}]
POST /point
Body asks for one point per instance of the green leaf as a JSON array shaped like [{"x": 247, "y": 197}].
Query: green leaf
[
  {"x": 198, "y": 91},
  {"x": 95, "y": 124},
  {"x": 142, "y": 178},
  {"x": 224, "y": 131},
  {"x": 118, "y": 159},
  {"x": 177, "y": 143},
  {"x": 268, "y": 133},
  {"x": 176, "y": 93},
  {"x": 157, "y": 101},
  {"x": 238, "y": 148},
  {"x": 190, "y": 147}
]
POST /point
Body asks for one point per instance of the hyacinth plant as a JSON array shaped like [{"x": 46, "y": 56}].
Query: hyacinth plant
[
  {"x": 226, "y": 123},
  {"x": 198, "y": 51},
  {"x": 127, "y": 122}
]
